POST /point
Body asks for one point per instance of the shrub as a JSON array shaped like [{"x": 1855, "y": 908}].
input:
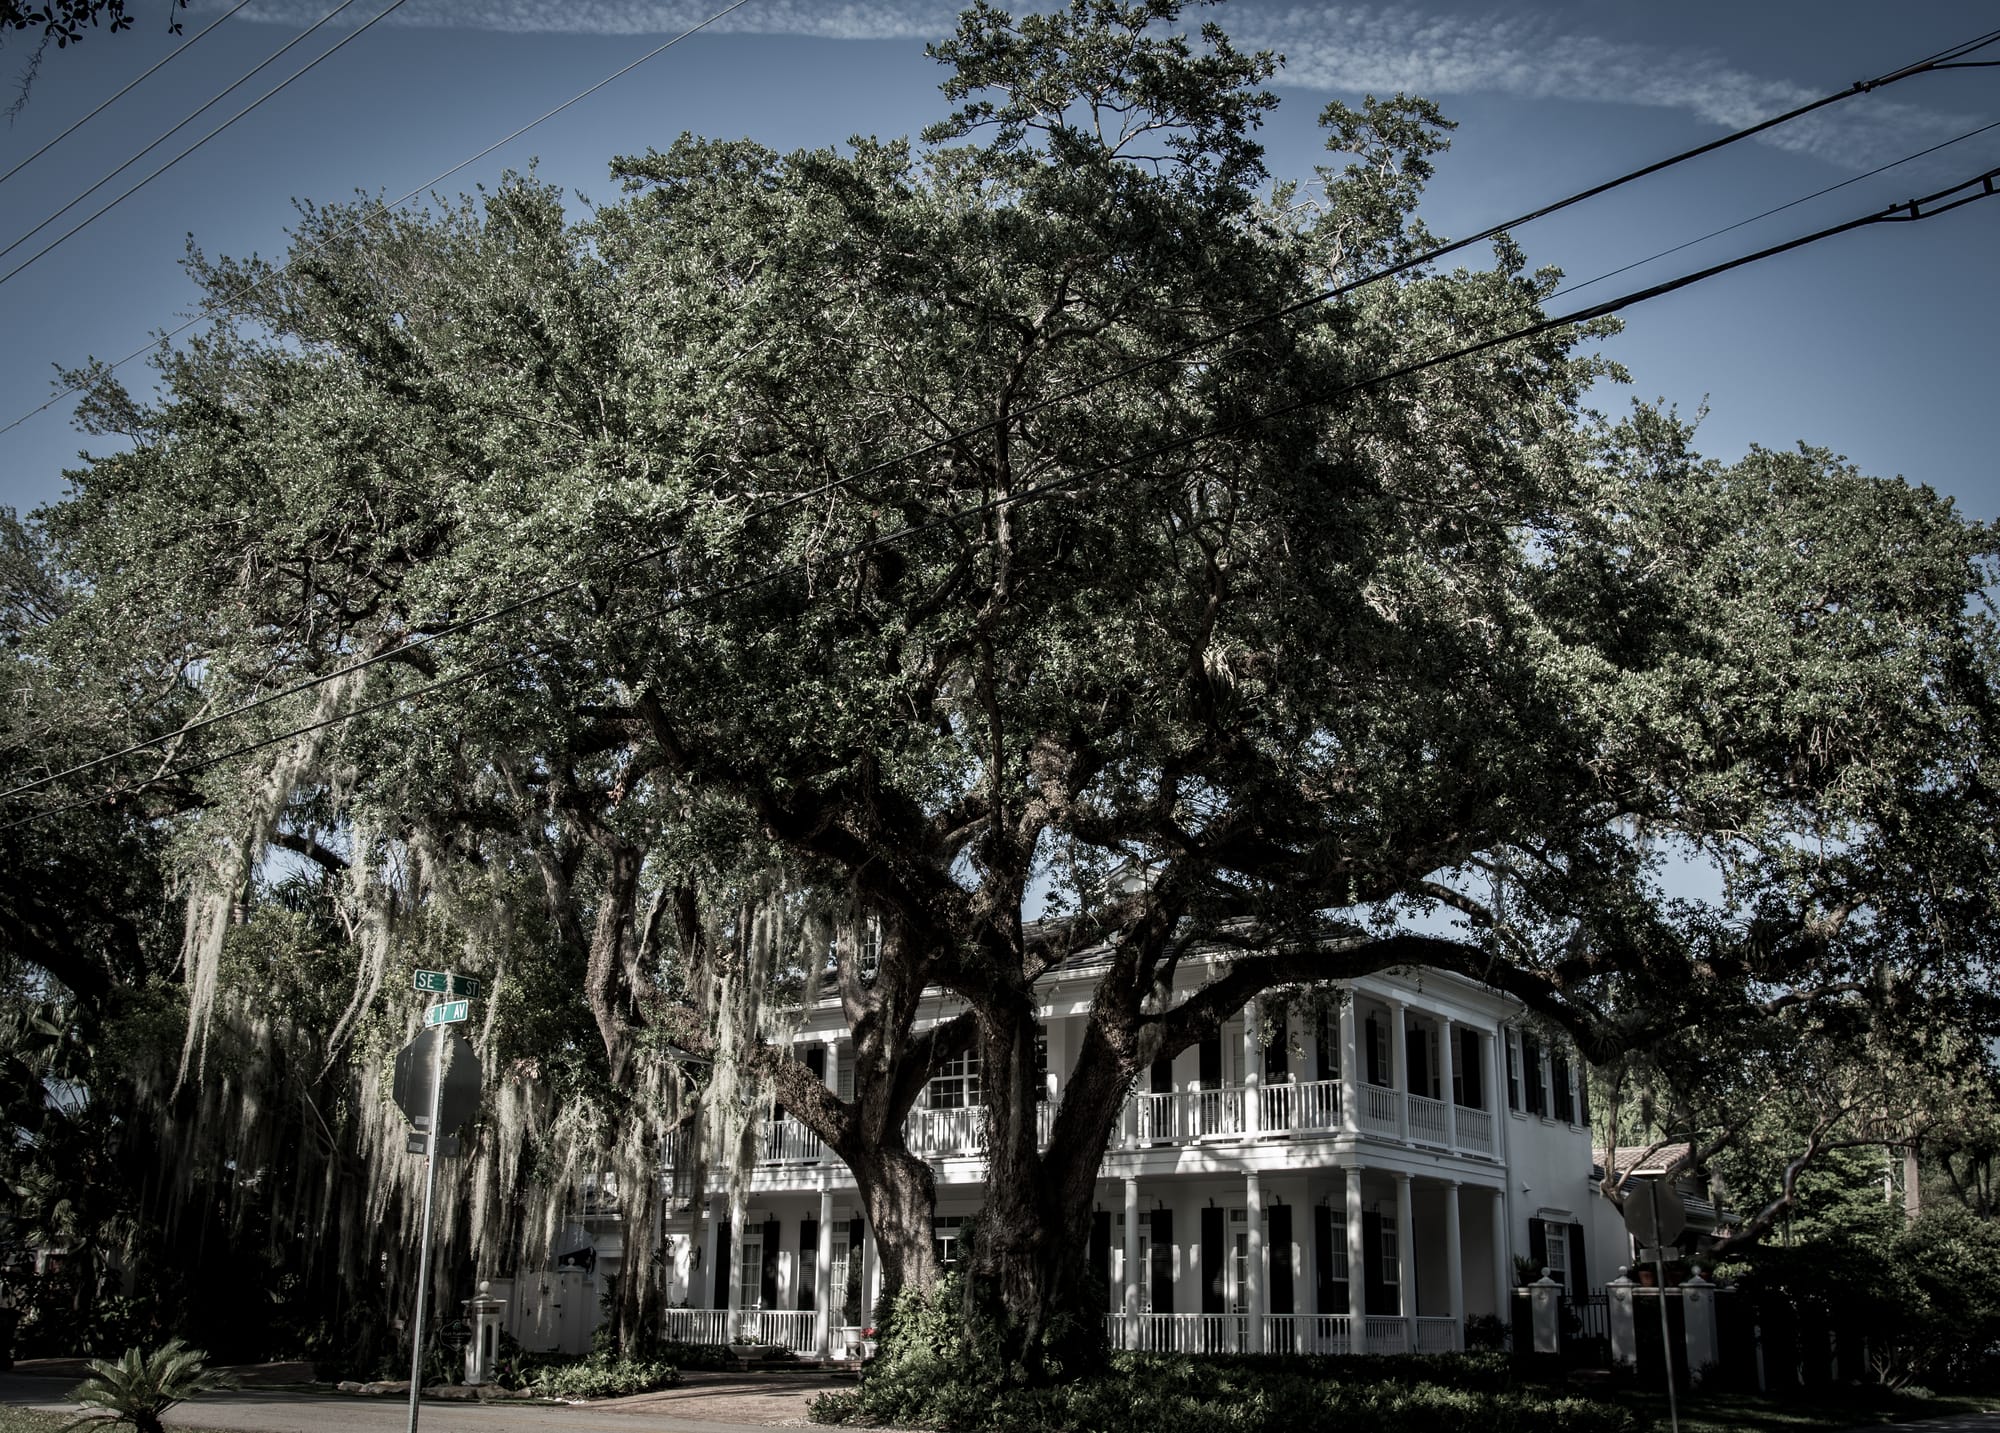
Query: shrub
[
  {"x": 139, "y": 1387},
  {"x": 603, "y": 1376}
]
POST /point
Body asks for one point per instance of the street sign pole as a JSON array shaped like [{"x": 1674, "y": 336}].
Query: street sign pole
[
  {"x": 1660, "y": 1270},
  {"x": 424, "y": 1257}
]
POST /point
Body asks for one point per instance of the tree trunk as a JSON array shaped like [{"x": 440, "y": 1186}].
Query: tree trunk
[
  {"x": 899, "y": 1193},
  {"x": 1039, "y": 1204}
]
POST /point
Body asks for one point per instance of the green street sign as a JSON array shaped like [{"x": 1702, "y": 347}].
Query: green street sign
[
  {"x": 443, "y": 982},
  {"x": 449, "y": 1013}
]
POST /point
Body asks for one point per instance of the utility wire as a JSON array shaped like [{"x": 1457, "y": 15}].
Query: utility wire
[
  {"x": 212, "y": 307},
  {"x": 1943, "y": 201},
  {"x": 342, "y": 43},
  {"x": 165, "y": 59},
  {"x": 1776, "y": 209},
  {"x": 187, "y": 119},
  {"x": 1924, "y": 65}
]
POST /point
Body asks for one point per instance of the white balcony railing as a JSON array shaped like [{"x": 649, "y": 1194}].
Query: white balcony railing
[
  {"x": 1475, "y": 1129},
  {"x": 1379, "y": 1112},
  {"x": 1430, "y": 1122},
  {"x": 1305, "y": 1109}
]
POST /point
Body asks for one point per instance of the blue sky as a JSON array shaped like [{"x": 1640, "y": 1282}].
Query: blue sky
[{"x": 1879, "y": 345}]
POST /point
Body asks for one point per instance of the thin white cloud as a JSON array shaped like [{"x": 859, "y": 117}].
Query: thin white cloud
[
  {"x": 1376, "y": 49},
  {"x": 1346, "y": 48}
]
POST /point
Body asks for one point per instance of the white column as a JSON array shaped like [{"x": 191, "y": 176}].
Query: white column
[
  {"x": 823, "y": 1276},
  {"x": 1253, "y": 1214},
  {"x": 1447, "y": 1070},
  {"x": 1454, "y": 1264},
  {"x": 1503, "y": 1262},
  {"x": 1399, "y": 1064},
  {"x": 1132, "y": 1270},
  {"x": 1406, "y": 1261},
  {"x": 1253, "y": 1068},
  {"x": 739, "y": 1215},
  {"x": 1350, "y": 1069},
  {"x": 1357, "y": 1284}
]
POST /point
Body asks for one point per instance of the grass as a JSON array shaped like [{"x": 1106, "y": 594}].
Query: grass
[
  {"x": 1804, "y": 1413},
  {"x": 27, "y": 1420}
]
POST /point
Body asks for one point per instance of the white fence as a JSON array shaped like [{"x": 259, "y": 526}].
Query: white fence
[{"x": 1283, "y": 1333}]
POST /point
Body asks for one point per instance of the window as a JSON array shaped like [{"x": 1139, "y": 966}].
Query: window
[
  {"x": 749, "y": 1274},
  {"x": 1513, "y": 1070},
  {"x": 1538, "y": 1089},
  {"x": 946, "y": 1238},
  {"x": 1144, "y": 1283},
  {"x": 843, "y": 1076},
  {"x": 1582, "y": 1092},
  {"x": 1556, "y": 1237},
  {"x": 1559, "y": 1071},
  {"x": 1392, "y": 1258},
  {"x": 1337, "y": 1231},
  {"x": 846, "y": 1287},
  {"x": 956, "y": 1085},
  {"x": 1042, "y": 1092},
  {"x": 1239, "y": 1262},
  {"x": 1381, "y": 1065}
]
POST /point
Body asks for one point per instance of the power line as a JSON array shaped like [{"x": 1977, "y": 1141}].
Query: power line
[
  {"x": 1777, "y": 209},
  {"x": 211, "y": 308},
  {"x": 185, "y": 120},
  {"x": 1943, "y": 201},
  {"x": 165, "y": 59},
  {"x": 342, "y": 43},
  {"x": 1930, "y": 62}
]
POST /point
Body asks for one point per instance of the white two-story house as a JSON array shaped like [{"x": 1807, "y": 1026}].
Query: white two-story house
[{"x": 1362, "y": 1181}]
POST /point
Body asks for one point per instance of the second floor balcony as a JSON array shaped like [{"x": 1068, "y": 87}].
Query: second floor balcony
[{"x": 1238, "y": 1115}]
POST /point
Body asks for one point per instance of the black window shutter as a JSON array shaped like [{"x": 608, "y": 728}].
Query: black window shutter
[
  {"x": 1278, "y": 1229},
  {"x": 1538, "y": 1245},
  {"x": 1377, "y": 1296},
  {"x": 1100, "y": 1252},
  {"x": 808, "y": 1263},
  {"x": 1163, "y": 1076},
  {"x": 1211, "y": 1261},
  {"x": 816, "y": 1060},
  {"x": 1372, "y": 1044},
  {"x": 1559, "y": 1072},
  {"x": 722, "y": 1244},
  {"x": 1418, "y": 1060},
  {"x": 772, "y": 1235},
  {"x": 1326, "y": 1300},
  {"x": 1471, "y": 1074},
  {"x": 1582, "y": 1093},
  {"x": 1531, "y": 1075},
  {"x": 1162, "y": 1254},
  {"x": 1211, "y": 1062},
  {"x": 1278, "y": 1054},
  {"x": 1579, "y": 1275}
]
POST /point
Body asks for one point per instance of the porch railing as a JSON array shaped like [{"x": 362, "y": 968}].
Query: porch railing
[
  {"x": 695, "y": 1325},
  {"x": 1305, "y": 1333},
  {"x": 1437, "y": 1335},
  {"x": 1385, "y": 1335},
  {"x": 1179, "y": 1333},
  {"x": 793, "y": 1329}
]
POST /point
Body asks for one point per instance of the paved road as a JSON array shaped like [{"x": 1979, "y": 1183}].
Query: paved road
[{"x": 704, "y": 1403}]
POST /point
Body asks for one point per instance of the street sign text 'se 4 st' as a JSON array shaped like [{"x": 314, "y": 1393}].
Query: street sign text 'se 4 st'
[
  {"x": 444, "y": 982},
  {"x": 449, "y": 1013}
]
